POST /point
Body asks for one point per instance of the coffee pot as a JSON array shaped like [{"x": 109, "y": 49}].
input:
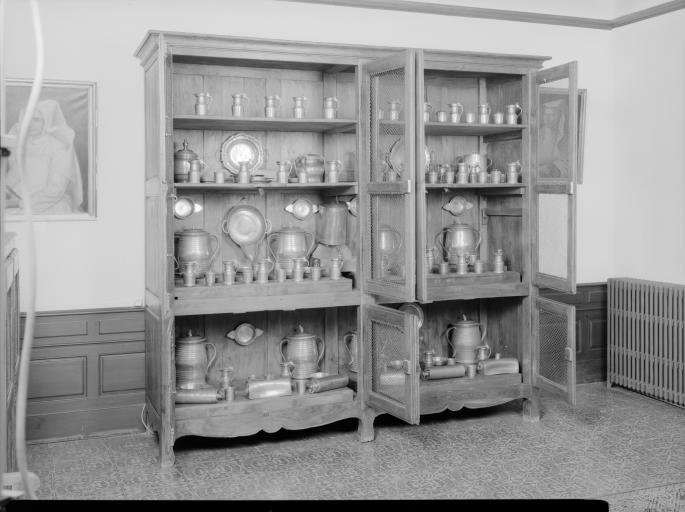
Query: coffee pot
[
  {"x": 331, "y": 224},
  {"x": 304, "y": 350},
  {"x": 460, "y": 239},
  {"x": 193, "y": 245},
  {"x": 192, "y": 363}
]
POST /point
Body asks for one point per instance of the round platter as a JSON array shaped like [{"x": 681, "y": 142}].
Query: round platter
[
  {"x": 395, "y": 156},
  {"x": 242, "y": 147},
  {"x": 414, "y": 309}
]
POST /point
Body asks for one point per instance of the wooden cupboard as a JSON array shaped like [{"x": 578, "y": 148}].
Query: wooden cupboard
[{"x": 532, "y": 221}]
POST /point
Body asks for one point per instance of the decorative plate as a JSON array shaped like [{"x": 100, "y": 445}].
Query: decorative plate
[
  {"x": 395, "y": 156},
  {"x": 242, "y": 147},
  {"x": 414, "y": 309}
]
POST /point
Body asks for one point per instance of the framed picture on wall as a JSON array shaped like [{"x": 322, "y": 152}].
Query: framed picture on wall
[
  {"x": 554, "y": 112},
  {"x": 60, "y": 150}
]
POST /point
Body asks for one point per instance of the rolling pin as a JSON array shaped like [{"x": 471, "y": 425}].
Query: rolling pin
[{"x": 444, "y": 372}]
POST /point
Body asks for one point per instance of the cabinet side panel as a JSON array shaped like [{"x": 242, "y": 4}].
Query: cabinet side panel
[
  {"x": 153, "y": 358},
  {"x": 152, "y": 116}
]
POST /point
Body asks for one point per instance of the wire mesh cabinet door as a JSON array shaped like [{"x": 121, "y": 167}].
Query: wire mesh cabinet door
[
  {"x": 555, "y": 163},
  {"x": 555, "y": 348},
  {"x": 391, "y": 377},
  {"x": 387, "y": 179}
]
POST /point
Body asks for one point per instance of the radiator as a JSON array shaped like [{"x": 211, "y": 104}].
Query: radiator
[{"x": 646, "y": 338}]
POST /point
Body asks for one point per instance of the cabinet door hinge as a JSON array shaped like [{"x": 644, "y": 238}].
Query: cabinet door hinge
[
  {"x": 568, "y": 354},
  {"x": 572, "y": 188}
]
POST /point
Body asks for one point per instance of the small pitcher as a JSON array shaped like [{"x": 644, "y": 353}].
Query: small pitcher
[
  {"x": 298, "y": 106},
  {"x": 330, "y": 107},
  {"x": 284, "y": 170},
  {"x": 202, "y": 103},
  {"x": 512, "y": 113},
  {"x": 427, "y": 109},
  {"x": 238, "y": 108},
  {"x": 394, "y": 113},
  {"x": 351, "y": 341},
  {"x": 264, "y": 268},
  {"x": 271, "y": 105},
  {"x": 513, "y": 172},
  {"x": 484, "y": 111},
  {"x": 456, "y": 110}
]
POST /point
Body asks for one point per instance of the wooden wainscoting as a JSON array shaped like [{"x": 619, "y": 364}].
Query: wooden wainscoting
[
  {"x": 591, "y": 329},
  {"x": 87, "y": 373}
]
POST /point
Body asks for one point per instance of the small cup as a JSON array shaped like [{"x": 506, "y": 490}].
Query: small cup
[
  {"x": 470, "y": 118},
  {"x": 219, "y": 177},
  {"x": 482, "y": 177},
  {"x": 498, "y": 118},
  {"x": 441, "y": 116},
  {"x": 332, "y": 176},
  {"x": 483, "y": 118},
  {"x": 443, "y": 268},
  {"x": 281, "y": 274},
  {"x": 302, "y": 177},
  {"x": 298, "y": 274},
  {"x": 432, "y": 177},
  {"x": 471, "y": 370},
  {"x": 449, "y": 176},
  {"x": 512, "y": 177},
  {"x": 451, "y": 361},
  {"x": 248, "y": 274},
  {"x": 300, "y": 386},
  {"x": 478, "y": 266},
  {"x": 316, "y": 273},
  {"x": 210, "y": 277}
]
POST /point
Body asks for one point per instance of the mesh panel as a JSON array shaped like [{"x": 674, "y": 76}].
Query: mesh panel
[
  {"x": 553, "y": 141},
  {"x": 386, "y": 227},
  {"x": 553, "y": 341},
  {"x": 387, "y": 126},
  {"x": 388, "y": 351}
]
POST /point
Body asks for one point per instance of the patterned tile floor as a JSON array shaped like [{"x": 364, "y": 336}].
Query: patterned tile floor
[{"x": 614, "y": 445}]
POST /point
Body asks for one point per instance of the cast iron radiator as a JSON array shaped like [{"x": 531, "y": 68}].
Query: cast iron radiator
[{"x": 646, "y": 352}]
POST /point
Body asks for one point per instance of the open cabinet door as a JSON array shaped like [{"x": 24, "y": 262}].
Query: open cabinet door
[
  {"x": 391, "y": 377},
  {"x": 555, "y": 362},
  {"x": 388, "y": 177},
  {"x": 554, "y": 178}
]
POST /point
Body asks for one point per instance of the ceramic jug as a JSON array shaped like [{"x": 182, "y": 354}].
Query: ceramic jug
[
  {"x": 304, "y": 350},
  {"x": 192, "y": 363}
]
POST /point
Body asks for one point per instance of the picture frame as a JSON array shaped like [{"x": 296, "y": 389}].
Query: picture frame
[{"x": 61, "y": 150}]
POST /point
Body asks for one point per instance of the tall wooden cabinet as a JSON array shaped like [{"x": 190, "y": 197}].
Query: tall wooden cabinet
[{"x": 532, "y": 222}]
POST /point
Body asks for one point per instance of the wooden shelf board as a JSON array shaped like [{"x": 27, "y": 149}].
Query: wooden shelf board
[
  {"x": 346, "y": 187},
  {"x": 477, "y": 291},
  {"x": 515, "y": 188},
  {"x": 243, "y": 405},
  {"x": 463, "y": 129},
  {"x": 480, "y": 391},
  {"x": 264, "y": 124},
  {"x": 438, "y": 281},
  {"x": 241, "y": 298}
]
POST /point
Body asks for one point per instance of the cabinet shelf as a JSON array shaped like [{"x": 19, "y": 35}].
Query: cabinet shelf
[
  {"x": 264, "y": 124},
  {"x": 475, "y": 286},
  {"x": 341, "y": 188},
  {"x": 242, "y": 298},
  {"x": 463, "y": 129},
  {"x": 483, "y": 188}
]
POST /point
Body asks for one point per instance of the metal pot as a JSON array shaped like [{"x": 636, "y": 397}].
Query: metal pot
[
  {"x": 191, "y": 361},
  {"x": 331, "y": 224},
  {"x": 460, "y": 240},
  {"x": 304, "y": 350},
  {"x": 290, "y": 244},
  {"x": 182, "y": 159},
  {"x": 312, "y": 165},
  {"x": 193, "y": 246},
  {"x": 465, "y": 338}
]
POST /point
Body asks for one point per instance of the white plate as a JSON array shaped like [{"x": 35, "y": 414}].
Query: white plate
[{"x": 242, "y": 148}]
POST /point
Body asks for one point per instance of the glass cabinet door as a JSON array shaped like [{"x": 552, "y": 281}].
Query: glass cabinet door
[
  {"x": 554, "y": 178},
  {"x": 387, "y": 182},
  {"x": 392, "y": 374},
  {"x": 555, "y": 352}
]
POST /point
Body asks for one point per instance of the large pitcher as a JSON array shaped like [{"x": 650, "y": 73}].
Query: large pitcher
[
  {"x": 192, "y": 363},
  {"x": 288, "y": 244},
  {"x": 304, "y": 350},
  {"x": 460, "y": 239},
  {"x": 464, "y": 337},
  {"x": 331, "y": 224},
  {"x": 193, "y": 246}
]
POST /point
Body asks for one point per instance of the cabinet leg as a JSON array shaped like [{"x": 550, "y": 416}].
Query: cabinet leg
[
  {"x": 166, "y": 449},
  {"x": 531, "y": 408},
  {"x": 365, "y": 430}
]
